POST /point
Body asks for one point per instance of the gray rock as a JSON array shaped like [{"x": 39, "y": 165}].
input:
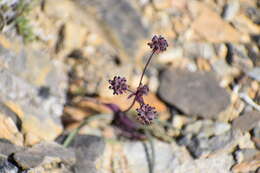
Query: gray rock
[
  {"x": 256, "y": 135},
  {"x": 194, "y": 93},
  {"x": 254, "y": 73},
  {"x": 238, "y": 57},
  {"x": 216, "y": 129},
  {"x": 167, "y": 157},
  {"x": 7, "y": 148},
  {"x": 222, "y": 68},
  {"x": 256, "y": 131},
  {"x": 82, "y": 166},
  {"x": 253, "y": 13},
  {"x": 29, "y": 68},
  {"x": 250, "y": 161},
  {"x": 135, "y": 156},
  {"x": 122, "y": 23},
  {"x": 245, "y": 154},
  {"x": 230, "y": 10},
  {"x": 33, "y": 157},
  {"x": 207, "y": 128},
  {"x": 221, "y": 128},
  {"x": 195, "y": 127},
  {"x": 172, "y": 158},
  {"x": 254, "y": 53},
  {"x": 192, "y": 144},
  {"x": 170, "y": 55},
  {"x": 220, "y": 142},
  {"x": 22, "y": 87},
  {"x": 199, "y": 50},
  {"x": 7, "y": 167},
  {"x": 247, "y": 121},
  {"x": 88, "y": 149},
  {"x": 220, "y": 163},
  {"x": 199, "y": 145}
]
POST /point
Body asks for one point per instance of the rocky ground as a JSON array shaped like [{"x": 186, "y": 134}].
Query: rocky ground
[{"x": 56, "y": 55}]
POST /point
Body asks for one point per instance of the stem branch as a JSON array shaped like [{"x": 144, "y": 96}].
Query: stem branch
[{"x": 141, "y": 79}]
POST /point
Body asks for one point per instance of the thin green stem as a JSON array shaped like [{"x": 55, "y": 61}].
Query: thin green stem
[
  {"x": 73, "y": 133},
  {"x": 152, "y": 158}
]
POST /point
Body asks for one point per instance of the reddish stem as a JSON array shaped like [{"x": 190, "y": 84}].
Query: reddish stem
[
  {"x": 146, "y": 65},
  {"x": 141, "y": 79}
]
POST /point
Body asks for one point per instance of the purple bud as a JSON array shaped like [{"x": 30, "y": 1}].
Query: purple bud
[
  {"x": 146, "y": 114},
  {"x": 141, "y": 91},
  {"x": 158, "y": 44},
  {"x": 118, "y": 85}
]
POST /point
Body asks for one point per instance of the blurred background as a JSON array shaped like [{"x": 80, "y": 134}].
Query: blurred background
[{"x": 56, "y": 57}]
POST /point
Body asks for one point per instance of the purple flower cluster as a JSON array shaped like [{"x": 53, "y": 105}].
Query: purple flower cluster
[
  {"x": 118, "y": 85},
  {"x": 145, "y": 112},
  {"x": 158, "y": 44}
]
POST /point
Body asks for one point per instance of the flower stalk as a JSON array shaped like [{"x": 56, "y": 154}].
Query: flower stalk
[{"x": 145, "y": 112}]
